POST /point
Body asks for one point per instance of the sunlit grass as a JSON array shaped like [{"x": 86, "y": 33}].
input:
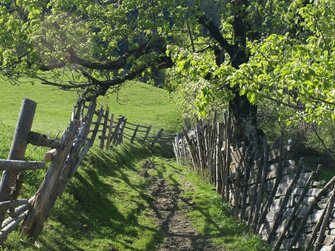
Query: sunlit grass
[{"x": 140, "y": 103}]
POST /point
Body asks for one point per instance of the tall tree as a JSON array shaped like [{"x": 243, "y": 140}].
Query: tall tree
[{"x": 248, "y": 50}]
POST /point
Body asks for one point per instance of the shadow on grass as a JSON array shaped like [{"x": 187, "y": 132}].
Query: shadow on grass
[
  {"x": 105, "y": 201},
  {"x": 214, "y": 219}
]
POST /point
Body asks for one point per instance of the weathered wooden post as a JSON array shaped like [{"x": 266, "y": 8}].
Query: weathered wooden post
[
  {"x": 104, "y": 129},
  {"x": 110, "y": 130},
  {"x": 146, "y": 135},
  {"x": 159, "y": 134},
  {"x": 116, "y": 131},
  {"x": 134, "y": 135},
  {"x": 9, "y": 185},
  {"x": 46, "y": 195},
  {"x": 123, "y": 125}
]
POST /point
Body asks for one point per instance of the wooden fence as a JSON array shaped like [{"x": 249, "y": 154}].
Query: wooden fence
[
  {"x": 114, "y": 130},
  {"x": 65, "y": 154},
  {"x": 277, "y": 196}
]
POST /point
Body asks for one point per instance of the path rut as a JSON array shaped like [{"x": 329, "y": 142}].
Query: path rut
[{"x": 175, "y": 225}]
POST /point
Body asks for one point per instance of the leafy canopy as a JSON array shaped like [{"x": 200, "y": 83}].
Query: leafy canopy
[{"x": 78, "y": 44}]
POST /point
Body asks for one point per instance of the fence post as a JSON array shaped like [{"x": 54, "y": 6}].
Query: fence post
[
  {"x": 17, "y": 152},
  {"x": 122, "y": 126},
  {"x": 159, "y": 134},
  {"x": 46, "y": 195},
  {"x": 146, "y": 135},
  {"x": 104, "y": 128},
  {"x": 116, "y": 131},
  {"x": 134, "y": 135},
  {"x": 110, "y": 129}
]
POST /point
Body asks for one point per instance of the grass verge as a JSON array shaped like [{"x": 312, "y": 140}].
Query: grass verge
[{"x": 107, "y": 206}]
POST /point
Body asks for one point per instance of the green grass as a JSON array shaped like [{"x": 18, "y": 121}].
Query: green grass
[
  {"x": 212, "y": 218},
  {"x": 140, "y": 103},
  {"x": 107, "y": 204}
]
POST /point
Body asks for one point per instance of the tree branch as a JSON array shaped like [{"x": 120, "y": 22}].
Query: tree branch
[
  {"x": 161, "y": 63},
  {"x": 145, "y": 48},
  {"x": 65, "y": 86},
  {"x": 216, "y": 34},
  {"x": 102, "y": 86},
  {"x": 296, "y": 107},
  {"x": 155, "y": 45},
  {"x": 322, "y": 101}
]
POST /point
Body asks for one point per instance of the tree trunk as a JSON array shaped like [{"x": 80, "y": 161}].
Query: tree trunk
[{"x": 244, "y": 114}]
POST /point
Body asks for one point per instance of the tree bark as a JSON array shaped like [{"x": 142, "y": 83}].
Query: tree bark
[{"x": 244, "y": 114}]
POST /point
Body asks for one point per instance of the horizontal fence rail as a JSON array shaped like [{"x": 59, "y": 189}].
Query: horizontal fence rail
[
  {"x": 113, "y": 131},
  {"x": 64, "y": 156}
]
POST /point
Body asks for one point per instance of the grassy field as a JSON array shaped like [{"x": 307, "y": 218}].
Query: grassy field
[
  {"x": 140, "y": 103},
  {"x": 107, "y": 204}
]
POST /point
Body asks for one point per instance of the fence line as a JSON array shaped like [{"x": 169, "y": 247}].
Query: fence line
[
  {"x": 65, "y": 155},
  {"x": 114, "y": 132},
  {"x": 278, "y": 197}
]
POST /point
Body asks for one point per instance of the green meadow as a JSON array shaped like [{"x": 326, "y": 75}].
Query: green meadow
[
  {"x": 140, "y": 103},
  {"x": 107, "y": 205}
]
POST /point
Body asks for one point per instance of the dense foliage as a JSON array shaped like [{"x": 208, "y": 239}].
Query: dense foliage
[{"x": 241, "y": 53}]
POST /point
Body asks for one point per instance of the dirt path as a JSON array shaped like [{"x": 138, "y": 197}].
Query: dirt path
[{"x": 179, "y": 234}]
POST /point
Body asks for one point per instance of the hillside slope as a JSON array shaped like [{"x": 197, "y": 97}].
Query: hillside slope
[
  {"x": 140, "y": 103},
  {"x": 114, "y": 202}
]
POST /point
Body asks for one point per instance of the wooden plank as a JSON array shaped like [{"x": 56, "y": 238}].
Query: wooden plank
[
  {"x": 253, "y": 192},
  {"x": 292, "y": 217},
  {"x": 13, "y": 203},
  {"x": 218, "y": 158},
  {"x": 159, "y": 134},
  {"x": 123, "y": 125},
  {"x": 110, "y": 131},
  {"x": 199, "y": 133},
  {"x": 316, "y": 228},
  {"x": 321, "y": 238},
  {"x": 45, "y": 196},
  {"x": 260, "y": 191},
  {"x": 190, "y": 148},
  {"x": 116, "y": 131},
  {"x": 50, "y": 155},
  {"x": 285, "y": 201},
  {"x": 328, "y": 248},
  {"x": 146, "y": 135},
  {"x": 104, "y": 130},
  {"x": 176, "y": 149},
  {"x": 11, "y": 226},
  {"x": 273, "y": 191},
  {"x": 9, "y": 178},
  {"x": 227, "y": 155},
  {"x": 144, "y": 131},
  {"x": 245, "y": 184},
  {"x": 13, "y": 214},
  {"x": 321, "y": 193},
  {"x": 96, "y": 127},
  {"x": 134, "y": 135},
  {"x": 38, "y": 139},
  {"x": 20, "y": 165}
]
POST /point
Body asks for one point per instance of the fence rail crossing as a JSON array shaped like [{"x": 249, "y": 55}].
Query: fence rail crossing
[{"x": 87, "y": 123}]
